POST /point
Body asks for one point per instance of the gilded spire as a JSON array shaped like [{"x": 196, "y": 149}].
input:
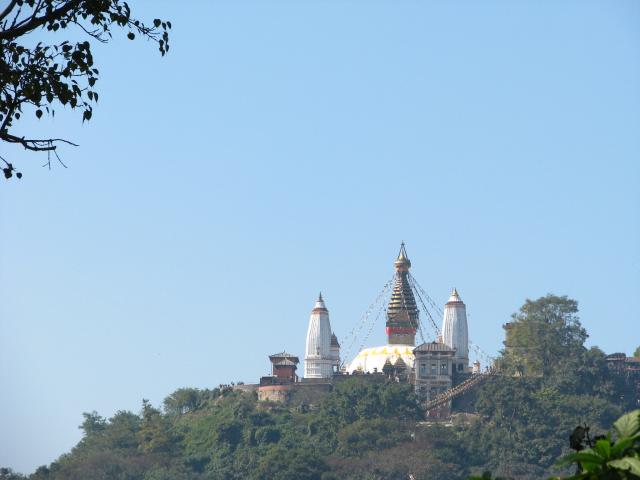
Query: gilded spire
[
  {"x": 402, "y": 262},
  {"x": 402, "y": 311}
]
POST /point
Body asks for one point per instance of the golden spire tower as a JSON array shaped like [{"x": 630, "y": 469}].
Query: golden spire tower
[{"x": 402, "y": 312}]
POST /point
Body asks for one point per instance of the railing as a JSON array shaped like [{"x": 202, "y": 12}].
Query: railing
[{"x": 459, "y": 389}]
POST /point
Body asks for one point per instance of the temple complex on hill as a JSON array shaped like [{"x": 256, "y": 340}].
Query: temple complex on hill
[
  {"x": 439, "y": 370},
  {"x": 432, "y": 367}
]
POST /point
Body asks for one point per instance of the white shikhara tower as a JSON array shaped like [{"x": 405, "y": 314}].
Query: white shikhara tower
[
  {"x": 319, "y": 357},
  {"x": 455, "y": 332}
]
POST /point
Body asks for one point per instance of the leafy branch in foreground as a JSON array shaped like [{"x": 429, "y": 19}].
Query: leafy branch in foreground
[
  {"x": 606, "y": 458},
  {"x": 40, "y": 77}
]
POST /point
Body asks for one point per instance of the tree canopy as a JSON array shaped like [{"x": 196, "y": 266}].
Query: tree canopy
[
  {"x": 541, "y": 333},
  {"x": 37, "y": 79}
]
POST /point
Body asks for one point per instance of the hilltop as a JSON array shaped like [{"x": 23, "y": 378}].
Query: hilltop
[{"x": 364, "y": 430}]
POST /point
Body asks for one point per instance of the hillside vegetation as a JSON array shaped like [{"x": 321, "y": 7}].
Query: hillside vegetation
[{"x": 363, "y": 430}]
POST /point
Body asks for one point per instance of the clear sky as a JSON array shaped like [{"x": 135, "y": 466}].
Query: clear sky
[{"x": 287, "y": 147}]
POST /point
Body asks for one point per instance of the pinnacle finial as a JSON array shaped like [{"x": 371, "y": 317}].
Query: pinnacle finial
[
  {"x": 402, "y": 262},
  {"x": 319, "y": 305},
  {"x": 455, "y": 296}
]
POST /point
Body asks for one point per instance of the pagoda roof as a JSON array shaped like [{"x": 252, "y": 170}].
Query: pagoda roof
[{"x": 282, "y": 355}]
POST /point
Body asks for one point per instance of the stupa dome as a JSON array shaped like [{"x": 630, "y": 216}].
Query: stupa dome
[{"x": 372, "y": 359}]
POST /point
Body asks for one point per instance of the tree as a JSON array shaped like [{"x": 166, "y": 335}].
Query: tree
[
  {"x": 41, "y": 77},
  {"x": 282, "y": 463},
  {"x": 543, "y": 336},
  {"x": 93, "y": 423},
  {"x": 8, "y": 474},
  {"x": 183, "y": 400},
  {"x": 154, "y": 433},
  {"x": 122, "y": 430},
  {"x": 637, "y": 352}
]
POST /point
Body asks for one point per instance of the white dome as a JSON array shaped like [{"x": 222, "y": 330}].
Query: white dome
[{"x": 371, "y": 360}]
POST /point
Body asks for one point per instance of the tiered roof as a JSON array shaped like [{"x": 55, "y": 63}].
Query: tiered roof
[{"x": 402, "y": 309}]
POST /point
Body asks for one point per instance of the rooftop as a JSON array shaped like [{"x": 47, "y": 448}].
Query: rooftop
[{"x": 433, "y": 347}]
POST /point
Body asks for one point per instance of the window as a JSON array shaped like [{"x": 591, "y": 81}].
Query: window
[
  {"x": 443, "y": 369},
  {"x": 434, "y": 369},
  {"x": 423, "y": 369}
]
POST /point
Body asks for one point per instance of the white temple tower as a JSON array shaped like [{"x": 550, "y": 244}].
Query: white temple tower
[
  {"x": 455, "y": 332},
  {"x": 319, "y": 358}
]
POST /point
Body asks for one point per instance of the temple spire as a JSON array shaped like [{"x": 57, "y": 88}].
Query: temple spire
[
  {"x": 402, "y": 312},
  {"x": 402, "y": 262},
  {"x": 319, "y": 357},
  {"x": 319, "y": 305}
]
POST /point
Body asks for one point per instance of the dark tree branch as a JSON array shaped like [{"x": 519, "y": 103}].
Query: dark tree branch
[
  {"x": 8, "y": 9},
  {"x": 36, "y": 22},
  {"x": 35, "y": 144}
]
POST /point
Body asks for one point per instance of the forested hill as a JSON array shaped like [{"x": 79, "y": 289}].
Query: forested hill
[{"x": 363, "y": 430}]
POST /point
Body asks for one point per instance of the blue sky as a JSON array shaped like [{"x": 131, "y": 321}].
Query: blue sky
[{"x": 283, "y": 148}]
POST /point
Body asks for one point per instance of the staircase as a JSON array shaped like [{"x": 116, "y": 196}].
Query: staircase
[{"x": 459, "y": 389}]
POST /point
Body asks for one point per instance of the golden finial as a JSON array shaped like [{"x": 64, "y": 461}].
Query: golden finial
[{"x": 403, "y": 263}]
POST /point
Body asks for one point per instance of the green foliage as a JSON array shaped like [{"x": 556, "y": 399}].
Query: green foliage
[
  {"x": 542, "y": 336},
  {"x": 607, "y": 458},
  {"x": 366, "y": 435},
  {"x": 154, "y": 434},
  {"x": 40, "y": 76},
  {"x": 636, "y": 353},
  {"x": 523, "y": 412},
  {"x": 280, "y": 463},
  {"x": 8, "y": 474},
  {"x": 183, "y": 400},
  {"x": 361, "y": 399},
  {"x": 93, "y": 424},
  {"x": 555, "y": 383}
]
